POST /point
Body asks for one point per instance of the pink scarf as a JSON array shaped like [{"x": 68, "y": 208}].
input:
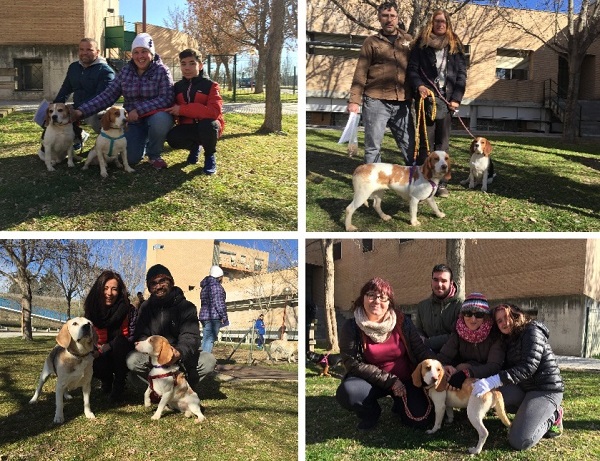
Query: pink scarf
[{"x": 474, "y": 337}]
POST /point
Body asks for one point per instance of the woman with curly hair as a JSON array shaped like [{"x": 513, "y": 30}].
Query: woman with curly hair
[
  {"x": 107, "y": 306},
  {"x": 380, "y": 348},
  {"x": 530, "y": 381}
]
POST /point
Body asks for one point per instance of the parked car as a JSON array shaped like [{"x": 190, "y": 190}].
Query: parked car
[{"x": 246, "y": 82}]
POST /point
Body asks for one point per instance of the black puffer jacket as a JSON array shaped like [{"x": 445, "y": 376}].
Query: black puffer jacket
[
  {"x": 351, "y": 347},
  {"x": 530, "y": 362},
  {"x": 173, "y": 317}
]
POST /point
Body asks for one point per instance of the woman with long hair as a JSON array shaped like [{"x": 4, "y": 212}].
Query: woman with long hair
[
  {"x": 530, "y": 382},
  {"x": 107, "y": 306}
]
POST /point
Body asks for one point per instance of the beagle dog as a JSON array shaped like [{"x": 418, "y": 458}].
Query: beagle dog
[
  {"x": 167, "y": 380},
  {"x": 481, "y": 166},
  {"x": 58, "y": 137},
  {"x": 413, "y": 183},
  {"x": 71, "y": 361},
  {"x": 111, "y": 142},
  {"x": 430, "y": 374}
]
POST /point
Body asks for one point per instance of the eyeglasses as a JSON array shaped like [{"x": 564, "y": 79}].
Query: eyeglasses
[
  {"x": 160, "y": 281},
  {"x": 374, "y": 296},
  {"x": 440, "y": 21},
  {"x": 477, "y": 315}
]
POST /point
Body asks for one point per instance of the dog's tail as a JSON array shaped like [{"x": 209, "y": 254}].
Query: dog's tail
[{"x": 499, "y": 407}]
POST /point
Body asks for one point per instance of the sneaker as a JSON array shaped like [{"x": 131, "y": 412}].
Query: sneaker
[
  {"x": 442, "y": 191},
  {"x": 556, "y": 429},
  {"x": 84, "y": 137},
  {"x": 210, "y": 164},
  {"x": 193, "y": 156},
  {"x": 158, "y": 163}
]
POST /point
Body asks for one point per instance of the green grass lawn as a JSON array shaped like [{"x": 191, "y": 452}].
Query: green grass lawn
[
  {"x": 543, "y": 185},
  {"x": 255, "y": 187},
  {"x": 331, "y": 432},
  {"x": 249, "y": 420}
]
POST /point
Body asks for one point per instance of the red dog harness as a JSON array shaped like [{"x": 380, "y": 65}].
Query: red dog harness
[{"x": 174, "y": 374}]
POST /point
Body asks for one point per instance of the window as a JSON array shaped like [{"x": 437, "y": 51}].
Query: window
[
  {"x": 512, "y": 64},
  {"x": 367, "y": 245},
  {"x": 258, "y": 264},
  {"x": 337, "y": 251},
  {"x": 30, "y": 75},
  {"x": 467, "y": 51}
]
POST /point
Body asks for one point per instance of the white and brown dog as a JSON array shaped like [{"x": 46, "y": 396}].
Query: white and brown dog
[
  {"x": 431, "y": 375},
  {"x": 71, "y": 361},
  {"x": 58, "y": 138},
  {"x": 111, "y": 142},
  {"x": 167, "y": 380},
  {"x": 413, "y": 183},
  {"x": 481, "y": 169}
]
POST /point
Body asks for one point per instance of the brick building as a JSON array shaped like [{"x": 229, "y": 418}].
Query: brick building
[
  {"x": 509, "y": 72},
  {"x": 556, "y": 280},
  {"x": 251, "y": 289},
  {"x": 38, "y": 41}
]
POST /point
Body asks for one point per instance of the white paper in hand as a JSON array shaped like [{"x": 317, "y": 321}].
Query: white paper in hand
[
  {"x": 40, "y": 115},
  {"x": 350, "y": 133}
]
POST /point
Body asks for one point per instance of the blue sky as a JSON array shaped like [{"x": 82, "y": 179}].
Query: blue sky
[{"x": 156, "y": 10}]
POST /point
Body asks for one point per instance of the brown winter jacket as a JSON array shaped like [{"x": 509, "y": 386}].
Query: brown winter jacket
[
  {"x": 485, "y": 358},
  {"x": 381, "y": 69},
  {"x": 351, "y": 347}
]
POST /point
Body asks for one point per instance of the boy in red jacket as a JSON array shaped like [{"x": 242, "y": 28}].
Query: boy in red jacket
[{"x": 198, "y": 110}]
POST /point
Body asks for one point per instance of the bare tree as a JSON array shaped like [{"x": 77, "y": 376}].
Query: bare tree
[
  {"x": 122, "y": 257},
  {"x": 455, "y": 258},
  {"x": 329, "y": 283},
  {"x": 21, "y": 261},
  {"x": 571, "y": 41},
  {"x": 72, "y": 266}
]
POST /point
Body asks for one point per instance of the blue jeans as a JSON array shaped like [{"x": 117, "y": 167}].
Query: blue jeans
[
  {"x": 210, "y": 333},
  {"x": 377, "y": 115},
  {"x": 147, "y": 134}
]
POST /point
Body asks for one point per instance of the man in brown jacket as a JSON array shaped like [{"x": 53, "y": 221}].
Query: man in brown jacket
[{"x": 380, "y": 84}]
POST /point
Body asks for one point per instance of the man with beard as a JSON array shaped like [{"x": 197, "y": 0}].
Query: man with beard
[
  {"x": 167, "y": 313},
  {"x": 436, "y": 316}
]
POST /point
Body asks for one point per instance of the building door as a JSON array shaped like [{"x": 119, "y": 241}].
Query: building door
[{"x": 563, "y": 77}]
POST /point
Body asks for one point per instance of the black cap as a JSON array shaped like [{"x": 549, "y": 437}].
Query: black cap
[{"x": 157, "y": 269}]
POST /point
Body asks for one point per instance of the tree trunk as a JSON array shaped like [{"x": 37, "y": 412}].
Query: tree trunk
[
  {"x": 26, "y": 330},
  {"x": 455, "y": 258},
  {"x": 328, "y": 274},
  {"x": 273, "y": 111}
]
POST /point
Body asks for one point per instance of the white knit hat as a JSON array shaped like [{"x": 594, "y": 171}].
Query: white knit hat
[
  {"x": 143, "y": 40},
  {"x": 216, "y": 272}
]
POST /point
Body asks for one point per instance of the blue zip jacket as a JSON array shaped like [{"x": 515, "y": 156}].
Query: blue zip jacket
[{"x": 85, "y": 82}]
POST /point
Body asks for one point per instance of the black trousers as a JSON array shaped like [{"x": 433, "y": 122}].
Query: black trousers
[
  {"x": 361, "y": 397},
  {"x": 438, "y": 135},
  {"x": 189, "y": 136},
  {"x": 111, "y": 365}
]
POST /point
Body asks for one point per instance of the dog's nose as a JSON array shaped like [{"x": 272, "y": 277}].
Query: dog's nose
[{"x": 444, "y": 167}]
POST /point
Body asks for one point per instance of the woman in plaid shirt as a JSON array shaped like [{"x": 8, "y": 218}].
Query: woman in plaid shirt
[{"x": 147, "y": 87}]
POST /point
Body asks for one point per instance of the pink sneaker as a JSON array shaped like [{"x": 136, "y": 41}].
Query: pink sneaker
[{"x": 158, "y": 163}]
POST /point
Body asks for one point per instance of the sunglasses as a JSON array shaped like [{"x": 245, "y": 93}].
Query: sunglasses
[
  {"x": 374, "y": 296},
  {"x": 477, "y": 315}
]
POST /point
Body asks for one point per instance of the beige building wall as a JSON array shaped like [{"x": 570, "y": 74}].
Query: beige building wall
[
  {"x": 168, "y": 42},
  {"x": 555, "y": 279}
]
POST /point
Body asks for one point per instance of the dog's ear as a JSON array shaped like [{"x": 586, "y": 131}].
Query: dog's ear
[
  {"x": 442, "y": 383},
  {"x": 417, "y": 376},
  {"x": 472, "y": 148},
  {"x": 47, "y": 119},
  {"x": 427, "y": 166},
  {"x": 63, "y": 338},
  {"x": 94, "y": 335},
  {"x": 448, "y": 174},
  {"x": 166, "y": 353},
  {"x": 488, "y": 148},
  {"x": 105, "y": 121}
]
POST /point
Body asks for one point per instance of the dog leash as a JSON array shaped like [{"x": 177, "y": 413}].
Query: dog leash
[
  {"x": 421, "y": 122},
  {"x": 112, "y": 141},
  {"x": 445, "y": 100},
  {"x": 408, "y": 412}
]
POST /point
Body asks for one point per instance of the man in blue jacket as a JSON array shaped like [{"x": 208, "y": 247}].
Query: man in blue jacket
[{"x": 86, "y": 78}]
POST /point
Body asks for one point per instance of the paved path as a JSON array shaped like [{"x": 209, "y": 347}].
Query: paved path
[{"x": 238, "y": 107}]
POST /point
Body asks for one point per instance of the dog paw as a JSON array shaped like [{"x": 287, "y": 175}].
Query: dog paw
[
  {"x": 441, "y": 215},
  {"x": 59, "y": 419},
  {"x": 90, "y": 415},
  {"x": 155, "y": 417},
  {"x": 386, "y": 217},
  {"x": 71, "y": 164},
  {"x": 130, "y": 170},
  {"x": 415, "y": 222},
  {"x": 484, "y": 189},
  {"x": 351, "y": 228},
  {"x": 464, "y": 182},
  {"x": 474, "y": 451},
  {"x": 51, "y": 168},
  {"x": 85, "y": 167},
  {"x": 67, "y": 396},
  {"x": 104, "y": 174},
  {"x": 432, "y": 431}
]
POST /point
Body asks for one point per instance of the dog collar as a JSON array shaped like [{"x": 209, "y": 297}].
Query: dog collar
[
  {"x": 164, "y": 375},
  {"x": 112, "y": 141},
  {"x": 411, "y": 179}
]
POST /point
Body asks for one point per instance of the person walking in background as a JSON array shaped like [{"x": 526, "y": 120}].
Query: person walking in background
[
  {"x": 436, "y": 316},
  {"x": 259, "y": 326},
  {"x": 134, "y": 312},
  {"x": 213, "y": 310},
  {"x": 438, "y": 64},
  {"x": 381, "y": 86},
  {"x": 107, "y": 306}
]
